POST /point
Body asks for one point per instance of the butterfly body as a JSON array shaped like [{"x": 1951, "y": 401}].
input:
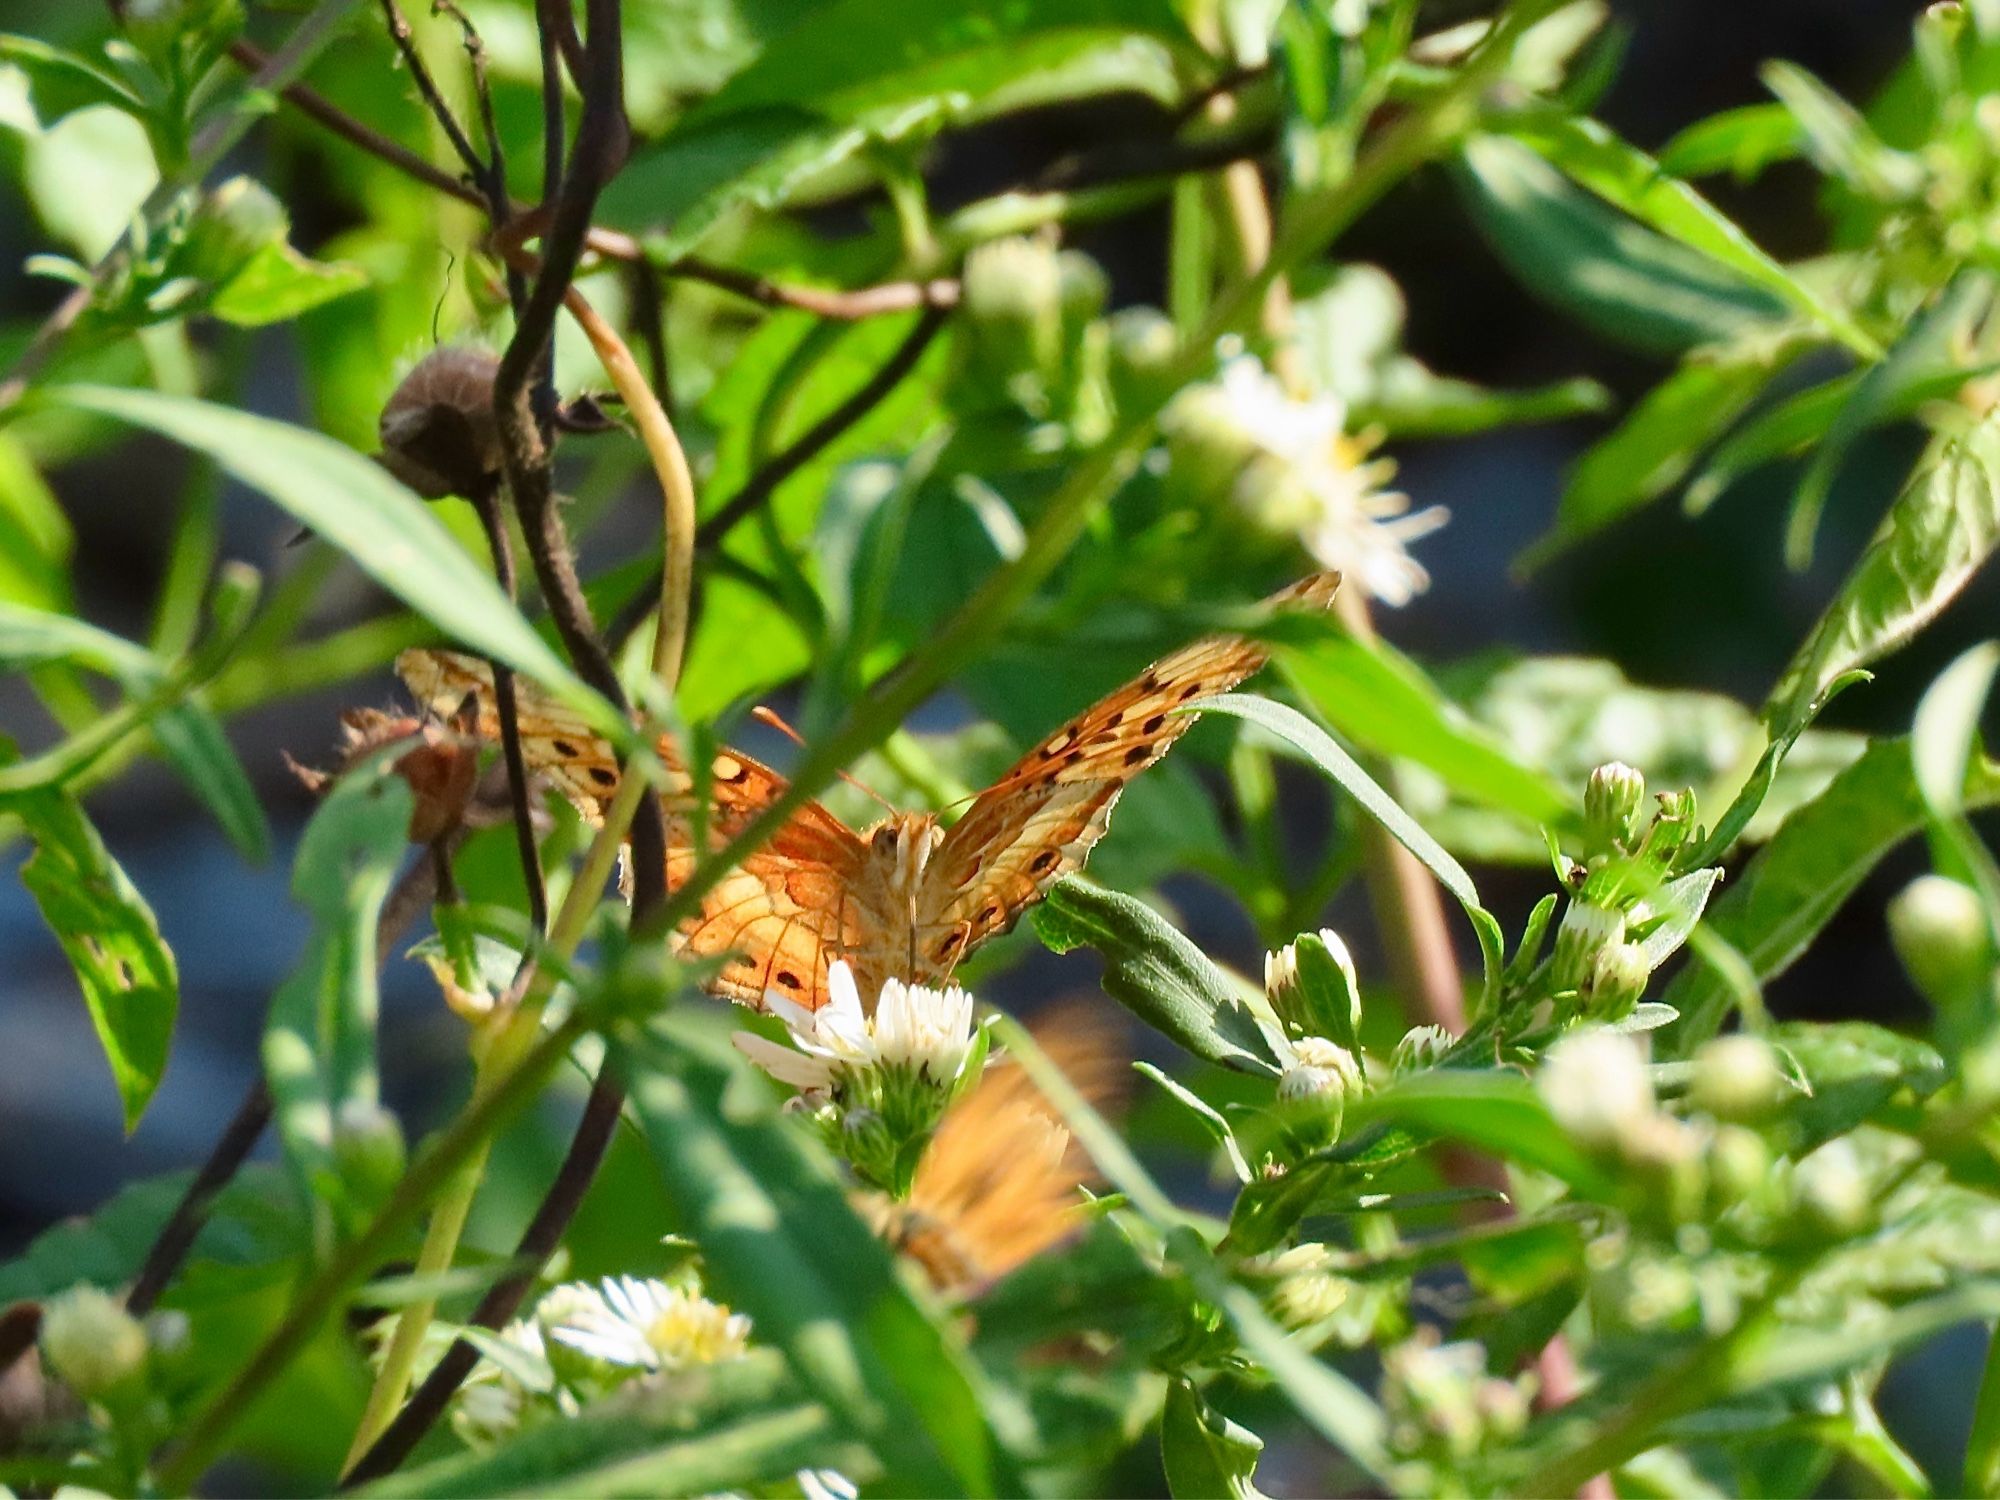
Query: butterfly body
[{"x": 906, "y": 897}]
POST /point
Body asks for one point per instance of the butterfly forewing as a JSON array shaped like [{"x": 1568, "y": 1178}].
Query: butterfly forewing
[{"x": 1038, "y": 822}]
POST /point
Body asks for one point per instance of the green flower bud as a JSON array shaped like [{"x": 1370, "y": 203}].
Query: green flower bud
[
  {"x": 1144, "y": 343},
  {"x": 1938, "y": 927},
  {"x": 1421, "y": 1047},
  {"x": 1320, "y": 1069},
  {"x": 1736, "y": 1078},
  {"x": 1012, "y": 302},
  {"x": 1739, "y": 1167},
  {"x": 233, "y": 223},
  {"x": 1313, "y": 989},
  {"x": 1082, "y": 288},
  {"x": 90, "y": 1342},
  {"x": 1612, "y": 801},
  {"x": 1673, "y": 826},
  {"x": 1832, "y": 1191},
  {"x": 368, "y": 1149},
  {"x": 1617, "y": 979},
  {"x": 1587, "y": 929}
]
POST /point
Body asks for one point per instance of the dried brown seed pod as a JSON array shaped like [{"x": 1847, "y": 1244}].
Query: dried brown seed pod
[{"x": 438, "y": 431}]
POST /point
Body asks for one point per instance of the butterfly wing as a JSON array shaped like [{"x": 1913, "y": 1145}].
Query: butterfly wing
[
  {"x": 786, "y": 912},
  {"x": 556, "y": 742},
  {"x": 782, "y": 916},
  {"x": 1039, "y": 821}
]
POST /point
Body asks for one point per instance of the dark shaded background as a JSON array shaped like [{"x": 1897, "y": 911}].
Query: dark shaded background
[{"x": 1705, "y": 604}]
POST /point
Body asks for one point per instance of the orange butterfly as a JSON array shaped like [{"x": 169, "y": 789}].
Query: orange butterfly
[{"x": 906, "y": 897}]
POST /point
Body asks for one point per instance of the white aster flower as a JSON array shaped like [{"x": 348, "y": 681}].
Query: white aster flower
[
  {"x": 1596, "y": 1085},
  {"x": 1307, "y": 475},
  {"x": 648, "y": 1325},
  {"x": 914, "y": 1027}
]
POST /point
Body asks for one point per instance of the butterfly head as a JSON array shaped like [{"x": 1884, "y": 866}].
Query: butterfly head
[{"x": 902, "y": 845}]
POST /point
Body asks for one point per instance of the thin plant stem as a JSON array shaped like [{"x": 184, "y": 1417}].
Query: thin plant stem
[{"x": 372, "y": 1451}]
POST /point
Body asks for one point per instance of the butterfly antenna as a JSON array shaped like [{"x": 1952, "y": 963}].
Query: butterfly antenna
[{"x": 771, "y": 718}]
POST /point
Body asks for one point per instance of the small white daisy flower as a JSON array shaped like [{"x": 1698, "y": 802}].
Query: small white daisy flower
[
  {"x": 1307, "y": 475},
  {"x": 648, "y": 1325},
  {"x": 915, "y": 1027}
]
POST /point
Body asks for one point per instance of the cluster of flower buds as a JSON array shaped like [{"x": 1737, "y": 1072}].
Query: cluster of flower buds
[
  {"x": 1312, "y": 989},
  {"x": 1034, "y": 339},
  {"x": 1445, "y": 1409},
  {"x": 877, "y": 1081},
  {"x": 1601, "y": 962}
]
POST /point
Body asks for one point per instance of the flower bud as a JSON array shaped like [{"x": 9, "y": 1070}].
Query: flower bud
[
  {"x": 1673, "y": 826},
  {"x": 1832, "y": 1190},
  {"x": 1596, "y": 1085},
  {"x": 1082, "y": 288},
  {"x": 1617, "y": 979},
  {"x": 1421, "y": 1047},
  {"x": 1612, "y": 800},
  {"x": 1938, "y": 927},
  {"x": 231, "y": 224},
  {"x": 1144, "y": 342},
  {"x": 368, "y": 1149},
  {"x": 1739, "y": 1166},
  {"x": 1312, "y": 987},
  {"x": 1012, "y": 301},
  {"x": 90, "y": 1342},
  {"x": 1320, "y": 1069},
  {"x": 1736, "y": 1078},
  {"x": 1587, "y": 929}
]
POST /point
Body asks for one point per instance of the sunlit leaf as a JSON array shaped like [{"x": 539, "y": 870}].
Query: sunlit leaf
[
  {"x": 127, "y": 973},
  {"x": 1153, "y": 970}
]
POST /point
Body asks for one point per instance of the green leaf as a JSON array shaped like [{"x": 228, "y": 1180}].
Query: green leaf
[
  {"x": 1838, "y": 139},
  {"x": 249, "y": 1235},
  {"x": 35, "y": 535},
  {"x": 780, "y": 1242},
  {"x": 1319, "y": 748},
  {"x": 60, "y": 82},
  {"x": 1651, "y": 451},
  {"x": 1798, "y": 422},
  {"x": 1498, "y": 1112},
  {"x": 857, "y": 71},
  {"x": 1742, "y": 141},
  {"x": 130, "y": 983},
  {"x": 1625, "y": 177},
  {"x": 1680, "y": 903},
  {"x": 1784, "y": 896},
  {"x": 277, "y": 284},
  {"x": 319, "y": 1039},
  {"x": 1152, "y": 969},
  {"x": 1851, "y": 1070},
  {"x": 188, "y": 734},
  {"x": 1944, "y": 745},
  {"x": 729, "y": 1427},
  {"x": 356, "y": 506},
  {"x": 1621, "y": 279},
  {"x": 1206, "y": 1456},
  {"x": 1927, "y": 348},
  {"x": 1942, "y": 527},
  {"x": 1383, "y": 702}
]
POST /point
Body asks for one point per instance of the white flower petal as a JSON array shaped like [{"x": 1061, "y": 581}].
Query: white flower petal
[{"x": 782, "y": 1063}]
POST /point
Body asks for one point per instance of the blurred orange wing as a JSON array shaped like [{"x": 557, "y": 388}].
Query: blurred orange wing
[
  {"x": 782, "y": 916},
  {"x": 1039, "y": 821}
]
